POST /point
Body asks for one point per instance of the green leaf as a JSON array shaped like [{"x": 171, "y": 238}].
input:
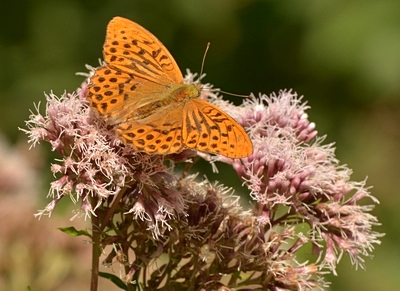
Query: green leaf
[
  {"x": 72, "y": 231},
  {"x": 116, "y": 280}
]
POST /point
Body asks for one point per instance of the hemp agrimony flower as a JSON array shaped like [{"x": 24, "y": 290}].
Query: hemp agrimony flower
[{"x": 173, "y": 231}]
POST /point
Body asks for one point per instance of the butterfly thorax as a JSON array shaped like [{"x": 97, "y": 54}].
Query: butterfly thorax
[
  {"x": 182, "y": 93},
  {"x": 178, "y": 94}
]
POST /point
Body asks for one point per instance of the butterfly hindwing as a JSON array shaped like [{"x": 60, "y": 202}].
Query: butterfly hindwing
[
  {"x": 118, "y": 96},
  {"x": 109, "y": 89},
  {"x": 157, "y": 133},
  {"x": 208, "y": 129}
]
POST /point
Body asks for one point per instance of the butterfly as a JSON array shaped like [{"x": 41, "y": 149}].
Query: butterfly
[{"x": 139, "y": 91}]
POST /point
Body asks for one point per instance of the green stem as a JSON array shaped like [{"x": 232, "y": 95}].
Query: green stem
[{"x": 95, "y": 249}]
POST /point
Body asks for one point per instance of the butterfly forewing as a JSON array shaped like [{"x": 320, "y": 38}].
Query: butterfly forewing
[{"x": 131, "y": 48}]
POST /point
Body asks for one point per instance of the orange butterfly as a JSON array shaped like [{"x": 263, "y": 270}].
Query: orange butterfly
[{"x": 140, "y": 92}]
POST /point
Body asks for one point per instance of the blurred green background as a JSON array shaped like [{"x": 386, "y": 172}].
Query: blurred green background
[{"x": 343, "y": 56}]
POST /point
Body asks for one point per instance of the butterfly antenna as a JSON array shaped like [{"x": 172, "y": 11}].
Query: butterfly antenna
[
  {"x": 232, "y": 94},
  {"x": 204, "y": 59},
  {"x": 201, "y": 73}
]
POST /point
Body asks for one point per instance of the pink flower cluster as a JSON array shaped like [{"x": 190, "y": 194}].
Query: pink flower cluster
[{"x": 302, "y": 196}]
